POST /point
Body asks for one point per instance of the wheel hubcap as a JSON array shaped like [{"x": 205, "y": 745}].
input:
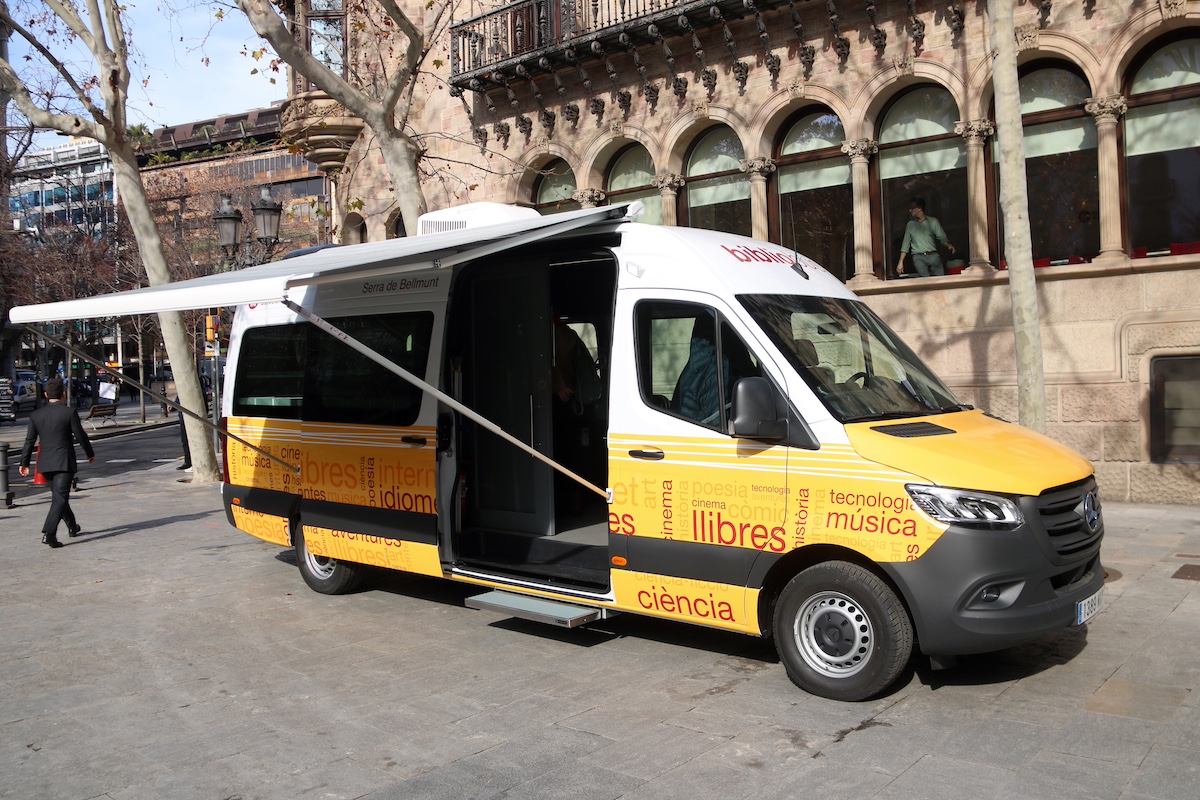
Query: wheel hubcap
[
  {"x": 320, "y": 566},
  {"x": 834, "y": 635}
]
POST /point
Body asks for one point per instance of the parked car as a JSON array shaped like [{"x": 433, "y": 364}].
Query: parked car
[{"x": 25, "y": 395}]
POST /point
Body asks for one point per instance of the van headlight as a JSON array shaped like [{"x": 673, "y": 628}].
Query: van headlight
[{"x": 961, "y": 507}]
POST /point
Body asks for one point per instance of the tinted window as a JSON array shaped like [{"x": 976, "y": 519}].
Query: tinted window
[
  {"x": 678, "y": 345},
  {"x": 270, "y": 375},
  {"x": 346, "y": 386}
]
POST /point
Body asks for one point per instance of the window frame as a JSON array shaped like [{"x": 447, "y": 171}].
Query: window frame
[
  {"x": 644, "y": 317},
  {"x": 1152, "y": 98},
  {"x": 683, "y": 203},
  {"x": 1160, "y": 451},
  {"x": 882, "y": 258},
  {"x": 775, "y": 214},
  {"x": 326, "y": 15}
]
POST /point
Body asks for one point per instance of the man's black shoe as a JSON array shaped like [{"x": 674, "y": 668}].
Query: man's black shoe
[
  {"x": 184, "y": 466},
  {"x": 50, "y": 540},
  {"x": 75, "y": 531}
]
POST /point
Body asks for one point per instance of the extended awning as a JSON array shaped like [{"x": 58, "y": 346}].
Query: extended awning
[{"x": 272, "y": 281}]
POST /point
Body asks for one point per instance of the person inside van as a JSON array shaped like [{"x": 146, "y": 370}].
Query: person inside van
[{"x": 699, "y": 390}]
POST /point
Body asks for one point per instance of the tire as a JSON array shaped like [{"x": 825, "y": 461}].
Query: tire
[
  {"x": 325, "y": 575},
  {"x": 812, "y": 617}
]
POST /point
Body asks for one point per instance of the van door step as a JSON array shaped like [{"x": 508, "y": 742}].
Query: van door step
[{"x": 565, "y": 615}]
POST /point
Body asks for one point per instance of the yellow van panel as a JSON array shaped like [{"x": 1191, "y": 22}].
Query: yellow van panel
[
  {"x": 983, "y": 453},
  {"x": 374, "y": 550},
  {"x": 718, "y": 605},
  {"x": 772, "y": 499},
  {"x": 267, "y": 527},
  {"x": 280, "y": 438}
]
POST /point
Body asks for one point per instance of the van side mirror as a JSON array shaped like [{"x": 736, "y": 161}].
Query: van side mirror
[{"x": 755, "y": 414}]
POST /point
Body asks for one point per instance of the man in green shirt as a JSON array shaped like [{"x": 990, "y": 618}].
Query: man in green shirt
[{"x": 922, "y": 235}]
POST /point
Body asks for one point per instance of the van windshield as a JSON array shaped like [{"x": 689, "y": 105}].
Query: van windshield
[{"x": 856, "y": 365}]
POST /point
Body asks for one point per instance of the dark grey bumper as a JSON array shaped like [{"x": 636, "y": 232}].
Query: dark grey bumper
[{"x": 1040, "y": 571}]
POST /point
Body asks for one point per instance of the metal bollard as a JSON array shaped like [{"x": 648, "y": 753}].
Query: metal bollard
[{"x": 4, "y": 492}]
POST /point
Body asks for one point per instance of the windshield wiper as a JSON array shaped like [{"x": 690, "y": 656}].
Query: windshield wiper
[{"x": 886, "y": 415}]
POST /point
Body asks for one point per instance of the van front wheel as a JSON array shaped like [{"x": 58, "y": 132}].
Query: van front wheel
[
  {"x": 323, "y": 574},
  {"x": 841, "y": 632}
]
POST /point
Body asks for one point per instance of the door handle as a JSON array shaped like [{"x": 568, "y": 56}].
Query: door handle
[
  {"x": 648, "y": 455},
  {"x": 419, "y": 441}
]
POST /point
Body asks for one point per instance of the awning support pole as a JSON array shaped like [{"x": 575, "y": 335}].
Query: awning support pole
[
  {"x": 161, "y": 398},
  {"x": 392, "y": 367}
]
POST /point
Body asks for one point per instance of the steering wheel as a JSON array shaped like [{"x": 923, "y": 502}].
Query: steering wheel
[{"x": 856, "y": 376}]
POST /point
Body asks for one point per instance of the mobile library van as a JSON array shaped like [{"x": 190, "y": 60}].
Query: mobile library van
[{"x": 589, "y": 416}]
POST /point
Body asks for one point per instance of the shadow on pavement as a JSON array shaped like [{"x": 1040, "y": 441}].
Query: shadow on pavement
[{"x": 150, "y": 524}]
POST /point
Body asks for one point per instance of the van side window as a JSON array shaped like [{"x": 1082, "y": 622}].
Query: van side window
[
  {"x": 346, "y": 386},
  {"x": 678, "y": 347},
  {"x": 270, "y": 373}
]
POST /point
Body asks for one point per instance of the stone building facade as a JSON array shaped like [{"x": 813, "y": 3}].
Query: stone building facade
[{"x": 813, "y": 124}]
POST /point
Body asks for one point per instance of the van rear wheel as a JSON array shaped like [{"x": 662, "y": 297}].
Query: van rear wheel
[
  {"x": 841, "y": 632},
  {"x": 323, "y": 574}
]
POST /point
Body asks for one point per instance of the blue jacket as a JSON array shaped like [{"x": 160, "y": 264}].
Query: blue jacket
[{"x": 699, "y": 391}]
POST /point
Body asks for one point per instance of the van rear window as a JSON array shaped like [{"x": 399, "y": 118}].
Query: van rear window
[
  {"x": 270, "y": 374},
  {"x": 346, "y": 386},
  {"x": 300, "y": 372}
]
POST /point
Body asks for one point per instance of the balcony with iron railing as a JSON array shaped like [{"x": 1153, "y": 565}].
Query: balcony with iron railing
[{"x": 557, "y": 34}]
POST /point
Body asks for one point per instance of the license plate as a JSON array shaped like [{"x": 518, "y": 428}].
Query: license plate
[{"x": 1086, "y": 609}]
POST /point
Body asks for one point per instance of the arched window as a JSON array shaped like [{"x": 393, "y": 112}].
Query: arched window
[
  {"x": 920, "y": 155},
  {"x": 816, "y": 199},
  {"x": 631, "y": 178},
  {"x": 396, "y": 229},
  {"x": 1162, "y": 150},
  {"x": 554, "y": 188},
  {"x": 354, "y": 229},
  {"x": 1060, "y": 167},
  {"x": 717, "y": 191}
]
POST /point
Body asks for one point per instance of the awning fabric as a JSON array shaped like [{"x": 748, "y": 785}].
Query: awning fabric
[{"x": 267, "y": 282}]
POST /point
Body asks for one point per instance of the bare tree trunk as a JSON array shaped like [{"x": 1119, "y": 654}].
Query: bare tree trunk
[
  {"x": 401, "y": 161},
  {"x": 1014, "y": 206},
  {"x": 183, "y": 362}
]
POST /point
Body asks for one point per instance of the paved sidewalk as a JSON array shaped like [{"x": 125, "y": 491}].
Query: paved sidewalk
[{"x": 165, "y": 655}]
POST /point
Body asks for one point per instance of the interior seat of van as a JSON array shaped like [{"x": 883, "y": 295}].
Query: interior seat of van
[{"x": 806, "y": 352}]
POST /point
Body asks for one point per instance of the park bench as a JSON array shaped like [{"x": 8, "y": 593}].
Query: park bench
[{"x": 104, "y": 412}]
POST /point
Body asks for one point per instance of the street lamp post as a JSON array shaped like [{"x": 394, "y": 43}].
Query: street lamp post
[{"x": 266, "y": 212}]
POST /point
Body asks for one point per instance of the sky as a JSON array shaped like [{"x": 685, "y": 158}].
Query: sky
[{"x": 172, "y": 50}]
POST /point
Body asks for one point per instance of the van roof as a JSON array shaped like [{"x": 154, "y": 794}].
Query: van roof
[{"x": 268, "y": 282}]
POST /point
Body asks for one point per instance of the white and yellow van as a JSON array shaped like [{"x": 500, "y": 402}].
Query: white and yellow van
[{"x": 588, "y": 416}]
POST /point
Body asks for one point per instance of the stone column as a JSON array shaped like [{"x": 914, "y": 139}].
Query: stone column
[
  {"x": 668, "y": 186},
  {"x": 588, "y": 198},
  {"x": 1106, "y": 111},
  {"x": 758, "y": 169},
  {"x": 976, "y": 132},
  {"x": 860, "y": 152}
]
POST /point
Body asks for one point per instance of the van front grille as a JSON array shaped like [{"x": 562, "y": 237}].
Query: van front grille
[{"x": 1071, "y": 516}]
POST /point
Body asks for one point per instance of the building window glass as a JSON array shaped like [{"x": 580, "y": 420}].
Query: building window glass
[
  {"x": 1175, "y": 410},
  {"x": 327, "y": 34},
  {"x": 1162, "y": 151},
  {"x": 816, "y": 198},
  {"x": 718, "y": 192},
  {"x": 555, "y": 189},
  {"x": 631, "y": 178},
  {"x": 920, "y": 155},
  {"x": 1060, "y": 168}
]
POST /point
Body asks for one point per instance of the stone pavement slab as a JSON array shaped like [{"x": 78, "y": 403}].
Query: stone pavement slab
[{"x": 166, "y": 655}]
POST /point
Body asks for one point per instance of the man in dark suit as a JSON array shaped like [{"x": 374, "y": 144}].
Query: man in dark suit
[{"x": 58, "y": 427}]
